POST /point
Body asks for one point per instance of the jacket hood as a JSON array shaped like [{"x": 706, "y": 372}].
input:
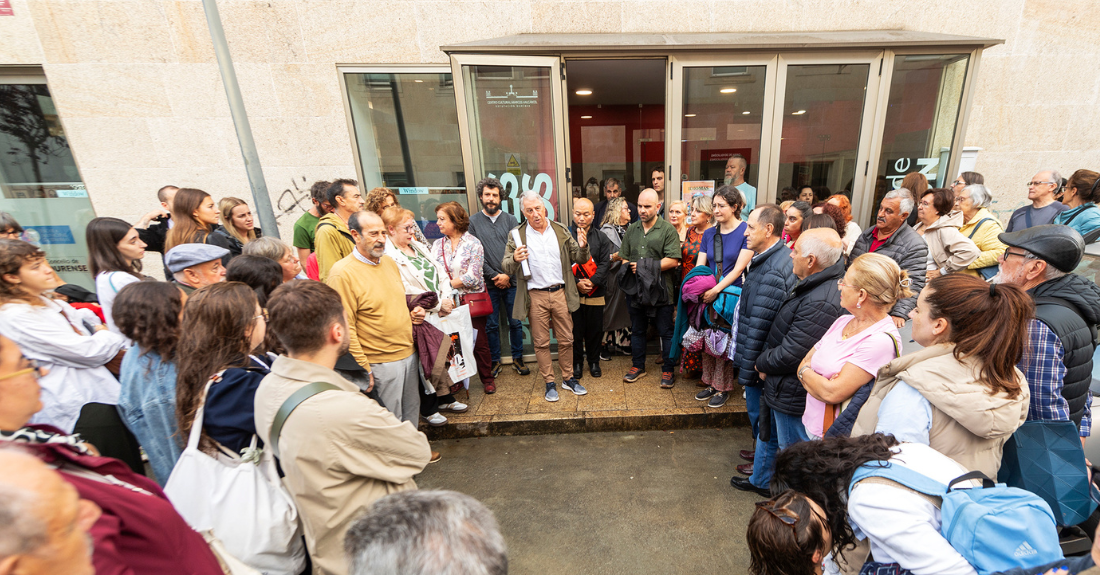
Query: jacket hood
[
  {"x": 951, "y": 220},
  {"x": 1075, "y": 289},
  {"x": 956, "y": 389}
]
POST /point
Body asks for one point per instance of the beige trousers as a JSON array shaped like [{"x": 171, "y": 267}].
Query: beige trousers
[{"x": 548, "y": 309}]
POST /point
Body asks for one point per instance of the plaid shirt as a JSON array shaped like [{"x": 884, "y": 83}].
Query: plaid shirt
[{"x": 1044, "y": 370}]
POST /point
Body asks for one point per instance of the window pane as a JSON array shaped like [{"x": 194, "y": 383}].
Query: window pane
[
  {"x": 512, "y": 130},
  {"x": 722, "y": 114},
  {"x": 925, "y": 92},
  {"x": 40, "y": 183},
  {"x": 406, "y": 126},
  {"x": 822, "y": 113}
]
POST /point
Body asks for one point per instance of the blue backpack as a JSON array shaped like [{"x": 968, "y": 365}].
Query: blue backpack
[{"x": 994, "y": 527}]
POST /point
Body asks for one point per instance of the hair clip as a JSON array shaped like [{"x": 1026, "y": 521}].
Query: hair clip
[
  {"x": 905, "y": 282},
  {"x": 992, "y": 289}
]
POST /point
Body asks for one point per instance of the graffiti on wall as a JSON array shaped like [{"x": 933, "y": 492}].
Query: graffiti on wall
[{"x": 293, "y": 200}]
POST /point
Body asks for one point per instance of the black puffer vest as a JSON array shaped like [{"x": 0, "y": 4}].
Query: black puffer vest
[{"x": 1070, "y": 307}]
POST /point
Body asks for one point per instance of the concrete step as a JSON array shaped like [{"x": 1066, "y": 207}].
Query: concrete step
[{"x": 519, "y": 408}]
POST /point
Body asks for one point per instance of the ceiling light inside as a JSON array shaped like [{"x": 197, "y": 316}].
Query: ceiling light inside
[
  {"x": 419, "y": 81},
  {"x": 728, "y": 90},
  {"x": 798, "y": 113},
  {"x": 689, "y": 115},
  {"x": 586, "y": 117},
  {"x": 745, "y": 113},
  {"x": 584, "y": 92}
]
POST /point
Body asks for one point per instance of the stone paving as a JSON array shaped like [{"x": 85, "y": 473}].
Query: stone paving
[{"x": 518, "y": 406}]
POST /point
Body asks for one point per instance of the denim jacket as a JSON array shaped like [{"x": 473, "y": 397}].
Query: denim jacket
[{"x": 147, "y": 404}]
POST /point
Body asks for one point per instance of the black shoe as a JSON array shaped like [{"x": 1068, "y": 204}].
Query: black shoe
[
  {"x": 706, "y": 394},
  {"x": 744, "y": 484},
  {"x": 594, "y": 369},
  {"x": 578, "y": 370},
  {"x": 517, "y": 364},
  {"x": 605, "y": 354}
]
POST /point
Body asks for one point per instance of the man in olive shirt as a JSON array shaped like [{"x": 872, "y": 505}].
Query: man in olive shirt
[{"x": 654, "y": 239}]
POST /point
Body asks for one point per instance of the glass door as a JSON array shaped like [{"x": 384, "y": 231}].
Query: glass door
[
  {"x": 824, "y": 111},
  {"x": 722, "y": 117},
  {"x": 511, "y": 124}
]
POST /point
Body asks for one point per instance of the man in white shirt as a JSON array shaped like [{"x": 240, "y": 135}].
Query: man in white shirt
[{"x": 549, "y": 296}]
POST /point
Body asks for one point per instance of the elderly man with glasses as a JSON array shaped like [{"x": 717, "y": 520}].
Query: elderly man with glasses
[
  {"x": 1041, "y": 190},
  {"x": 1057, "y": 362}
]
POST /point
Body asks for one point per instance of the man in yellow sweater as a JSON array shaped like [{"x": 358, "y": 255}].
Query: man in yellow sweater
[{"x": 379, "y": 321}]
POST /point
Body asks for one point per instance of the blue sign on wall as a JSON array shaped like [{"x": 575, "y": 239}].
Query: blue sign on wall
[{"x": 54, "y": 234}]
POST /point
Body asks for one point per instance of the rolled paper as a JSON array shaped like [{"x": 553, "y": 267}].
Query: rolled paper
[{"x": 519, "y": 244}]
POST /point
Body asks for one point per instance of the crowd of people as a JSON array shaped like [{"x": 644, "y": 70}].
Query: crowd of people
[{"x": 326, "y": 355}]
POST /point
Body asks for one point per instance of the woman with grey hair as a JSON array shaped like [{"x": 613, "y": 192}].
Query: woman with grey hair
[
  {"x": 982, "y": 227},
  {"x": 274, "y": 249},
  {"x": 616, "y": 316},
  {"x": 9, "y": 228}
]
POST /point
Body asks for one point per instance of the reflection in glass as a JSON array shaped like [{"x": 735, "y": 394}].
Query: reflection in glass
[
  {"x": 722, "y": 117},
  {"x": 925, "y": 93},
  {"x": 406, "y": 127},
  {"x": 41, "y": 185},
  {"x": 822, "y": 113},
  {"x": 512, "y": 130}
]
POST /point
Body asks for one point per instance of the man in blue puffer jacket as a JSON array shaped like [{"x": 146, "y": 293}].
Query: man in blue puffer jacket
[{"x": 767, "y": 282}]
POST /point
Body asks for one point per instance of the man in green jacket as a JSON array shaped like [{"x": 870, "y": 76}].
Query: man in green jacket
[{"x": 548, "y": 296}]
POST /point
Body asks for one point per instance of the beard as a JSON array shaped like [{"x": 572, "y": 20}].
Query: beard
[
  {"x": 1005, "y": 279},
  {"x": 492, "y": 208},
  {"x": 378, "y": 250},
  {"x": 728, "y": 180}
]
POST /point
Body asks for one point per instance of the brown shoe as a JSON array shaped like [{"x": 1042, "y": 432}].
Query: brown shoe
[
  {"x": 490, "y": 389},
  {"x": 745, "y": 469},
  {"x": 436, "y": 456}
]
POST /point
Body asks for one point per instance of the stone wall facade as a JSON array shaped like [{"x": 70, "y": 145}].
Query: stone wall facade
[{"x": 141, "y": 101}]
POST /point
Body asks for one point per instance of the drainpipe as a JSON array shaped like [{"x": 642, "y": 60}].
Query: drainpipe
[{"x": 240, "y": 121}]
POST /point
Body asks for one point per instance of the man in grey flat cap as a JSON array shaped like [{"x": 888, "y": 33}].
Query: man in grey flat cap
[
  {"x": 1057, "y": 362},
  {"x": 195, "y": 265}
]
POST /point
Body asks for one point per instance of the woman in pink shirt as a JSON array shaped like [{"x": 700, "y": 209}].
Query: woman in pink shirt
[{"x": 839, "y": 370}]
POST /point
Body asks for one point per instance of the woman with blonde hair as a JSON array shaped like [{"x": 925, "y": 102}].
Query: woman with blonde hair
[
  {"x": 238, "y": 227},
  {"x": 616, "y": 315},
  {"x": 839, "y": 370},
  {"x": 678, "y": 217}
]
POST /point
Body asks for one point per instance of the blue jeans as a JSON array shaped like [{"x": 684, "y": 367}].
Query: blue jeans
[
  {"x": 639, "y": 325},
  {"x": 506, "y": 298},
  {"x": 752, "y": 405},
  {"x": 786, "y": 431}
]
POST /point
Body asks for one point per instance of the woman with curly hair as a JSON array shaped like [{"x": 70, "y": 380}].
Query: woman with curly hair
[
  {"x": 378, "y": 199},
  {"x": 149, "y": 314},
  {"x": 851, "y": 229},
  {"x": 902, "y": 527},
  {"x": 788, "y": 535}
]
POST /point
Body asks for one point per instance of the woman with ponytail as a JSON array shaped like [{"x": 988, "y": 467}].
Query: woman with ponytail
[
  {"x": 196, "y": 220},
  {"x": 962, "y": 394}
]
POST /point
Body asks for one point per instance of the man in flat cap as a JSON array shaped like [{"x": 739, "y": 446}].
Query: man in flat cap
[
  {"x": 1057, "y": 362},
  {"x": 195, "y": 265}
]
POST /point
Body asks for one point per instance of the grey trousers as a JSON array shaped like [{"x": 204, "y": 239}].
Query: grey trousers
[{"x": 398, "y": 386}]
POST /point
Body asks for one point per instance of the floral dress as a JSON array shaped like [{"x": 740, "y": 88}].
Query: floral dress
[{"x": 691, "y": 362}]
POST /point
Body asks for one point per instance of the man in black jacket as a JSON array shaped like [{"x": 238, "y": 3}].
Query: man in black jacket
[
  {"x": 588, "y": 319},
  {"x": 768, "y": 280},
  {"x": 1057, "y": 361},
  {"x": 809, "y": 310}
]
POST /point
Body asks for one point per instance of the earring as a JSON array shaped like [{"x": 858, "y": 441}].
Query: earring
[{"x": 859, "y": 306}]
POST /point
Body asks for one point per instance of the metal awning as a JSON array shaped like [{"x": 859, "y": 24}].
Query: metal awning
[{"x": 709, "y": 42}]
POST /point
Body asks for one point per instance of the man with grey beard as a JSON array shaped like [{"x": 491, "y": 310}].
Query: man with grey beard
[{"x": 379, "y": 321}]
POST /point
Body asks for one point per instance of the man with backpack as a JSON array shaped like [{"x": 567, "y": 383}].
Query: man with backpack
[
  {"x": 1061, "y": 340},
  {"x": 332, "y": 239},
  {"x": 340, "y": 450}
]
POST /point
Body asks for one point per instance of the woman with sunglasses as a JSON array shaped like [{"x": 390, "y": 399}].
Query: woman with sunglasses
[
  {"x": 788, "y": 535},
  {"x": 222, "y": 325},
  {"x": 902, "y": 527},
  {"x": 1082, "y": 191},
  {"x": 136, "y": 529},
  {"x": 421, "y": 273}
]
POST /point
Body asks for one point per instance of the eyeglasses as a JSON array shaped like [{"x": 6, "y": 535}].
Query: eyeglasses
[
  {"x": 790, "y": 520},
  {"x": 34, "y": 368},
  {"x": 263, "y": 314},
  {"x": 411, "y": 228},
  {"x": 961, "y": 199},
  {"x": 1031, "y": 184},
  {"x": 958, "y": 183},
  {"x": 1007, "y": 254},
  {"x": 840, "y": 283}
]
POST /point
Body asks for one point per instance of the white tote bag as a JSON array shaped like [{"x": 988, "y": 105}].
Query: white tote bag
[
  {"x": 459, "y": 329},
  {"x": 240, "y": 500}
]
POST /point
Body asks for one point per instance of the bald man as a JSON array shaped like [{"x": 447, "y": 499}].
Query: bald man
[
  {"x": 379, "y": 321},
  {"x": 810, "y": 309},
  {"x": 648, "y": 243},
  {"x": 45, "y": 524},
  {"x": 591, "y": 283}
]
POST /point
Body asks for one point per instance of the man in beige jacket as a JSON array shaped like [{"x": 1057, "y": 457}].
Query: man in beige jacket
[{"x": 340, "y": 450}]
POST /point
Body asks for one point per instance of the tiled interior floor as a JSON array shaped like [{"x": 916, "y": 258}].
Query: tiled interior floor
[{"x": 521, "y": 397}]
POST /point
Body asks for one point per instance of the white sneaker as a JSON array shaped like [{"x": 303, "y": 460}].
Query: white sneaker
[
  {"x": 456, "y": 407},
  {"x": 436, "y": 419}
]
